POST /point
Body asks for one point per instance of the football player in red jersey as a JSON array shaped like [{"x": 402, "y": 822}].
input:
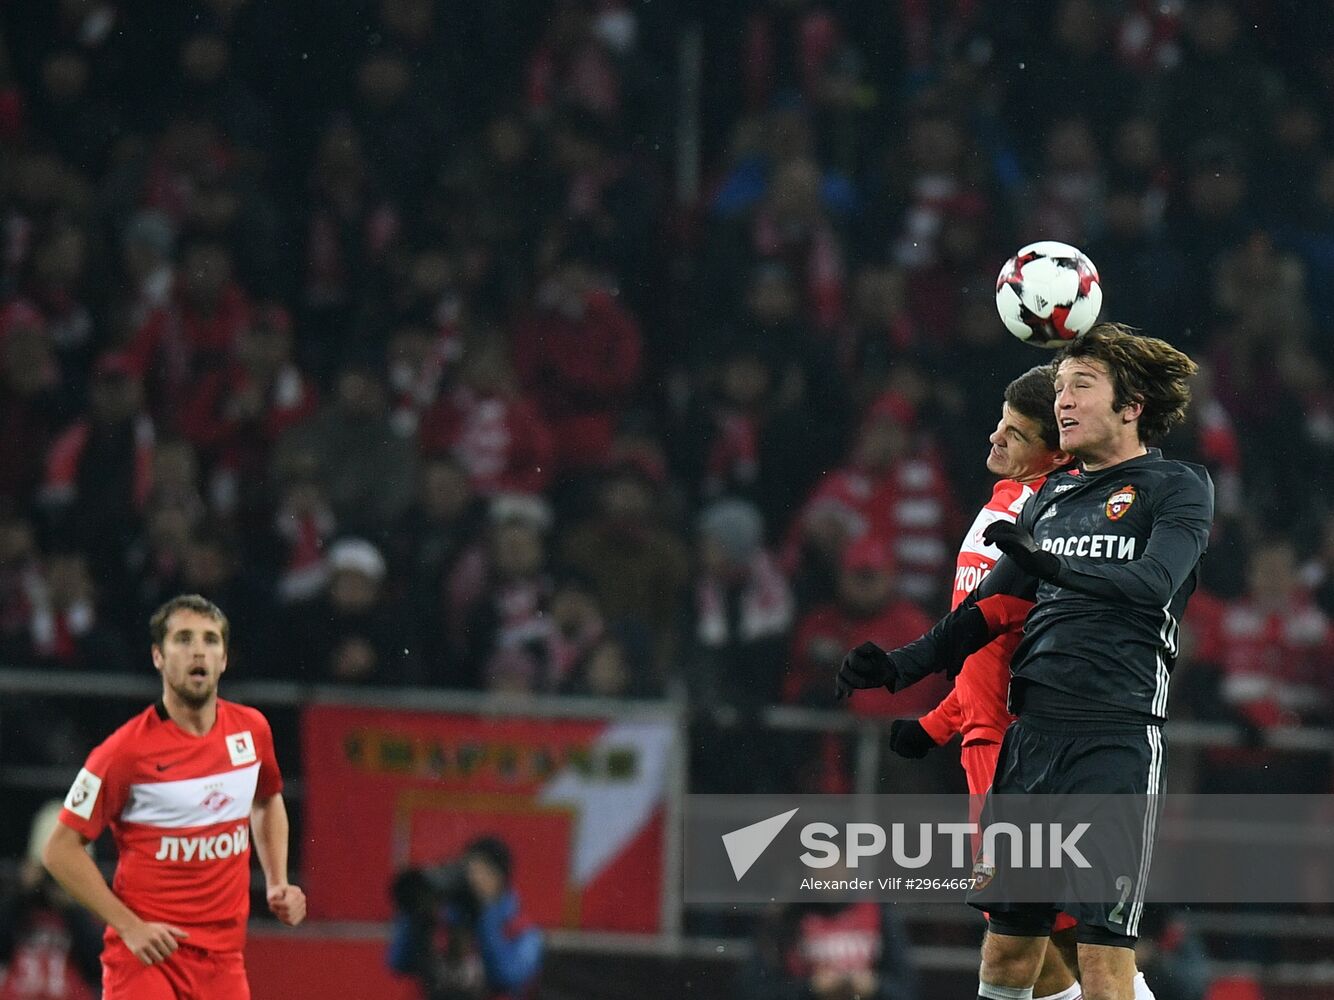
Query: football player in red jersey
[
  {"x": 1025, "y": 448},
  {"x": 181, "y": 786}
]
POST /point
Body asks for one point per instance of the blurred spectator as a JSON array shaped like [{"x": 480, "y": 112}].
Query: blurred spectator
[
  {"x": 353, "y": 632},
  {"x": 1317, "y": 573},
  {"x": 22, "y": 587},
  {"x": 791, "y": 226},
  {"x": 388, "y": 114},
  {"x": 611, "y": 669},
  {"x": 148, "y": 272},
  {"x": 420, "y": 360},
  {"x": 49, "y": 947},
  {"x": 67, "y": 626},
  {"x": 364, "y": 465},
  {"x": 578, "y": 356},
  {"x": 303, "y": 523},
  {"x": 1220, "y": 86},
  {"x": 831, "y": 951},
  {"x": 578, "y": 629},
  {"x": 237, "y": 413},
  {"x": 1214, "y": 216},
  {"x": 750, "y": 432},
  {"x": 1277, "y": 643},
  {"x": 880, "y": 328},
  {"x": 30, "y": 405},
  {"x": 497, "y": 435},
  {"x": 509, "y": 621},
  {"x": 1274, "y": 645},
  {"x": 1140, "y": 272},
  {"x": 742, "y": 610},
  {"x": 426, "y": 542},
  {"x": 1070, "y": 198},
  {"x": 894, "y": 490},
  {"x": 57, "y": 284},
  {"x": 867, "y": 609},
  {"x": 784, "y": 134},
  {"x": 1074, "y": 68},
  {"x": 99, "y": 471},
  {"x": 350, "y": 227},
  {"x": 572, "y": 64},
  {"x": 195, "y": 333},
  {"x": 208, "y": 88},
  {"x": 638, "y": 567}
]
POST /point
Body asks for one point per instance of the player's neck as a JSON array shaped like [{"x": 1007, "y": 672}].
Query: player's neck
[
  {"x": 1121, "y": 452},
  {"x": 195, "y": 721}
]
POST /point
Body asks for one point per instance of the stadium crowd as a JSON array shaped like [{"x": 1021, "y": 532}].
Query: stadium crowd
[{"x": 403, "y": 330}]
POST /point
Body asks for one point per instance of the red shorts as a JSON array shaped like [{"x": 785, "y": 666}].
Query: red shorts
[
  {"x": 189, "y": 974},
  {"x": 979, "y": 767}
]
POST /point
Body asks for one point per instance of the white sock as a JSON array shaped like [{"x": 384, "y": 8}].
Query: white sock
[
  {"x": 1004, "y": 992},
  {"x": 1142, "y": 991},
  {"x": 1071, "y": 992}
]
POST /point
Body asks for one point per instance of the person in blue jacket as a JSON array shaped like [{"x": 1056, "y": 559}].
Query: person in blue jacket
[{"x": 459, "y": 930}]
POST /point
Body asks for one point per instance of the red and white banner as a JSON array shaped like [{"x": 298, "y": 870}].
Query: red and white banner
[{"x": 581, "y": 804}]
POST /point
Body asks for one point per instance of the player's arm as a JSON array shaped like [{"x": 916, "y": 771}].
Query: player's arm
[
  {"x": 1178, "y": 537},
  {"x": 268, "y": 820},
  {"x": 66, "y": 858},
  {"x": 985, "y": 613}
]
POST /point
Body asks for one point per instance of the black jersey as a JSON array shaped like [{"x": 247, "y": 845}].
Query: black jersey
[{"x": 1101, "y": 639}]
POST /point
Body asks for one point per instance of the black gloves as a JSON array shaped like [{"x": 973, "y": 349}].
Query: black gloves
[
  {"x": 908, "y": 739},
  {"x": 867, "y": 666},
  {"x": 1019, "y": 545}
]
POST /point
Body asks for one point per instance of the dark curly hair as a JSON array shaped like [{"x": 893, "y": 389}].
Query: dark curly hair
[{"x": 1143, "y": 370}]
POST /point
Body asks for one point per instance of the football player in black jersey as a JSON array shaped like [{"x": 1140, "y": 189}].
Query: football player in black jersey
[{"x": 1109, "y": 552}]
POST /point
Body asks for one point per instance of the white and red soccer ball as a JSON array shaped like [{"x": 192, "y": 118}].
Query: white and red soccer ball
[{"x": 1048, "y": 294}]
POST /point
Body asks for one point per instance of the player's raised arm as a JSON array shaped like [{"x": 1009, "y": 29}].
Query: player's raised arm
[{"x": 983, "y": 614}]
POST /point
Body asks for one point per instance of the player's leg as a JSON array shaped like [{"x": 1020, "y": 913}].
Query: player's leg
[
  {"x": 1065, "y": 942},
  {"x": 124, "y": 977},
  {"x": 226, "y": 977},
  {"x": 1107, "y": 971},
  {"x": 1011, "y": 955},
  {"x": 1057, "y": 979}
]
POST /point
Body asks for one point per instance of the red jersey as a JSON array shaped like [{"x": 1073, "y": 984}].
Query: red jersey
[
  {"x": 976, "y": 707},
  {"x": 179, "y": 808}
]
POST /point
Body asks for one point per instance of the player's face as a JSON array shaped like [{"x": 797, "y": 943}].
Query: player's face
[
  {"x": 1090, "y": 427},
  {"x": 1017, "y": 449},
  {"x": 192, "y": 657}
]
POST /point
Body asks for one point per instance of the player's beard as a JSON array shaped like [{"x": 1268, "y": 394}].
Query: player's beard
[{"x": 195, "y": 698}]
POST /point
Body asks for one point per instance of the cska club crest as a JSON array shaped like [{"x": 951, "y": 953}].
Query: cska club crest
[{"x": 1119, "y": 502}]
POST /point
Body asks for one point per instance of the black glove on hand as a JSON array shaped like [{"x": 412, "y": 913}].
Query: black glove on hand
[
  {"x": 867, "y": 666},
  {"x": 1019, "y": 545},
  {"x": 908, "y": 739}
]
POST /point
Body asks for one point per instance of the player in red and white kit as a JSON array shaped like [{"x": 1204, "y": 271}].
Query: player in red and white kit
[{"x": 185, "y": 787}]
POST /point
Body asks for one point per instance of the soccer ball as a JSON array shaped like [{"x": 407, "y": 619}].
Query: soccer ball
[{"x": 1048, "y": 294}]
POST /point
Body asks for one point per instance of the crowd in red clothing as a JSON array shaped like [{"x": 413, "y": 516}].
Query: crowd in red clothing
[{"x": 433, "y": 354}]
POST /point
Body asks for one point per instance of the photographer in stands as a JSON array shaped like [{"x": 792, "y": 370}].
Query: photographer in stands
[{"x": 458, "y": 929}]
